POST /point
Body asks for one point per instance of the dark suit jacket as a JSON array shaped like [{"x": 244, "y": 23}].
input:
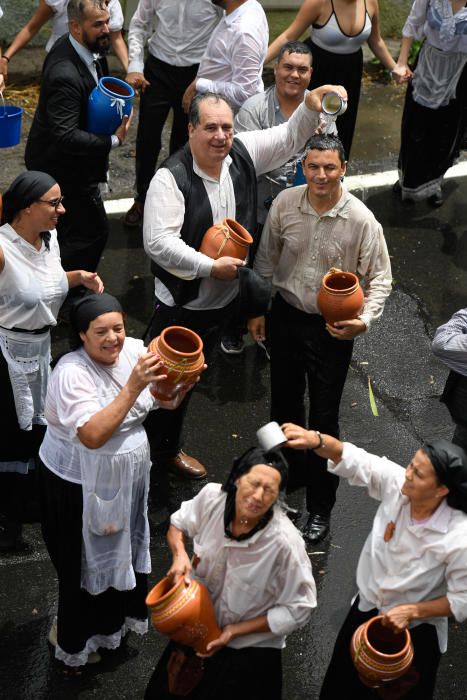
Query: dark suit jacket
[{"x": 58, "y": 142}]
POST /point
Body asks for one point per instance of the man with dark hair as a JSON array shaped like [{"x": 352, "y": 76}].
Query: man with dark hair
[
  {"x": 310, "y": 229},
  {"x": 211, "y": 178},
  {"x": 262, "y": 111},
  {"x": 59, "y": 143}
]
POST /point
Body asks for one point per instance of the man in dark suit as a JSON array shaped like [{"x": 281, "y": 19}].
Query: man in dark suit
[{"x": 58, "y": 142}]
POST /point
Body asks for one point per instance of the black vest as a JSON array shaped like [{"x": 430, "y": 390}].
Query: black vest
[
  {"x": 198, "y": 212},
  {"x": 455, "y": 397}
]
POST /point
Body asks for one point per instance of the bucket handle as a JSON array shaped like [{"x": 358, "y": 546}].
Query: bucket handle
[{"x": 3, "y": 103}]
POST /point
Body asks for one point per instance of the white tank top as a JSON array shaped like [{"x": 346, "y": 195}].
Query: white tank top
[{"x": 330, "y": 37}]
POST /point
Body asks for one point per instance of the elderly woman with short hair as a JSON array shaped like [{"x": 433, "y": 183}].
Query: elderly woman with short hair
[{"x": 413, "y": 566}]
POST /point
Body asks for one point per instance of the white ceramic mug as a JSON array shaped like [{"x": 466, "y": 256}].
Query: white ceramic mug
[{"x": 270, "y": 436}]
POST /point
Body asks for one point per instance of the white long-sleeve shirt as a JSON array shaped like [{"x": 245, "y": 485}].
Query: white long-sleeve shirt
[
  {"x": 267, "y": 574},
  {"x": 182, "y": 31},
  {"x": 422, "y": 561},
  {"x": 450, "y": 342},
  {"x": 164, "y": 209},
  {"x": 233, "y": 62}
]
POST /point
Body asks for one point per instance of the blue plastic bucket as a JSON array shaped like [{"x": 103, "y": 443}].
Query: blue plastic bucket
[
  {"x": 108, "y": 103},
  {"x": 10, "y": 125}
]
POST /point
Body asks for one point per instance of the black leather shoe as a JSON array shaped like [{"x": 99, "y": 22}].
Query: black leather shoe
[{"x": 316, "y": 528}]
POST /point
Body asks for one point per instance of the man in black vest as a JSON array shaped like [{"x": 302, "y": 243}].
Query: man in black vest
[
  {"x": 59, "y": 143},
  {"x": 211, "y": 178}
]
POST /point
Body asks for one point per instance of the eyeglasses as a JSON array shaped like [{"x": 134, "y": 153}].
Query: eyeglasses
[{"x": 55, "y": 203}]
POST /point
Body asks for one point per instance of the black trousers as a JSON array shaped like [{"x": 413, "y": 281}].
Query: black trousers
[
  {"x": 342, "y": 681},
  {"x": 252, "y": 673},
  {"x": 167, "y": 86},
  {"x": 303, "y": 352},
  {"x": 83, "y": 230},
  {"x": 165, "y": 428}
]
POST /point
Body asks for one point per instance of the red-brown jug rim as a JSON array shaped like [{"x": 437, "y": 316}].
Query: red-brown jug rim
[
  {"x": 405, "y": 633},
  {"x": 186, "y": 331}
]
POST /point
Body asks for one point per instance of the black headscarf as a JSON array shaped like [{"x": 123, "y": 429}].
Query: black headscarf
[
  {"x": 90, "y": 307},
  {"x": 450, "y": 464},
  {"x": 241, "y": 466},
  {"x": 23, "y": 191}
]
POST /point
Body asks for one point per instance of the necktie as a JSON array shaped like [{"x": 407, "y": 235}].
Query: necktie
[{"x": 98, "y": 68}]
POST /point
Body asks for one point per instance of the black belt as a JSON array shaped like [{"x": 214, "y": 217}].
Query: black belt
[{"x": 36, "y": 331}]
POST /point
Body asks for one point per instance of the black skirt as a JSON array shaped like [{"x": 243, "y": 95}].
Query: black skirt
[
  {"x": 252, "y": 673},
  {"x": 339, "y": 69},
  {"x": 81, "y": 616},
  {"x": 430, "y": 142}
]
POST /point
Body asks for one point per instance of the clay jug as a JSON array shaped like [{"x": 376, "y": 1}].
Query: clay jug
[
  {"x": 227, "y": 238},
  {"x": 340, "y": 297},
  {"x": 181, "y": 351},
  {"x": 184, "y": 613},
  {"x": 379, "y": 654}
]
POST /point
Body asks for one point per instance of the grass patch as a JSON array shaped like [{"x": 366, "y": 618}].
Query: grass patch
[{"x": 393, "y": 14}]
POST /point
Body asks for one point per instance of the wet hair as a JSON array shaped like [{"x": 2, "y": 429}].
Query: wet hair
[
  {"x": 449, "y": 462},
  {"x": 324, "y": 142},
  {"x": 193, "y": 114},
  {"x": 294, "y": 47},
  {"x": 241, "y": 466},
  {"x": 76, "y": 9}
]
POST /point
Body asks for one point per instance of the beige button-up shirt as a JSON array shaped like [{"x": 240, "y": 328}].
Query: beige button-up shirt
[{"x": 298, "y": 247}]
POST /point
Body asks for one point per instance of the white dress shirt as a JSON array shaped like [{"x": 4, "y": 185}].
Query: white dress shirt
[
  {"x": 233, "y": 62},
  {"x": 422, "y": 561},
  {"x": 267, "y": 574},
  {"x": 298, "y": 247},
  {"x": 450, "y": 342},
  {"x": 164, "y": 209},
  {"x": 183, "y": 29}
]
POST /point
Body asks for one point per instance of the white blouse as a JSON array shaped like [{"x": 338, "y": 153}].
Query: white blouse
[
  {"x": 421, "y": 561},
  {"x": 78, "y": 389},
  {"x": 33, "y": 283},
  {"x": 434, "y": 19},
  {"x": 268, "y": 574}
]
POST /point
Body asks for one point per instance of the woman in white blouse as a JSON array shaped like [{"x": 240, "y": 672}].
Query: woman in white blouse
[
  {"x": 255, "y": 566},
  {"x": 33, "y": 286},
  {"x": 435, "y": 111},
  {"x": 413, "y": 566},
  {"x": 94, "y": 481},
  {"x": 56, "y": 10}
]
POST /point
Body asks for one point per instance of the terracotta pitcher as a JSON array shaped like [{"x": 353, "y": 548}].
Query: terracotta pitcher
[
  {"x": 340, "y": 297},
  {"x": 184, "y": 613},
  {"x": 227, "y": 238},
  {"x": 181, "y": 351},
  {"x": 379, "y": 654}
]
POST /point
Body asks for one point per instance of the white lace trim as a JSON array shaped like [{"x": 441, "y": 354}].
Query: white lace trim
[{"x": 102, "y": 641}]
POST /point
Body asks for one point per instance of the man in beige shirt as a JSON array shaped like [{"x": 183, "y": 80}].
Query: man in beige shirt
[{"x": 310, "y": 229}]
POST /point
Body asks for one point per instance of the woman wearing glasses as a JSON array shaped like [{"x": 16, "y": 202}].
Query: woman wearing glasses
[{"x": 33, "y": 285}]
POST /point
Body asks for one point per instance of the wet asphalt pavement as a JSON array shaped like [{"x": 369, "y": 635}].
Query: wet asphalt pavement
[{"x": 429, "y": 257}]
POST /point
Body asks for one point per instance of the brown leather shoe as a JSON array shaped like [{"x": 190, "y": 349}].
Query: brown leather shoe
[{"x": 185, "y": 466}]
